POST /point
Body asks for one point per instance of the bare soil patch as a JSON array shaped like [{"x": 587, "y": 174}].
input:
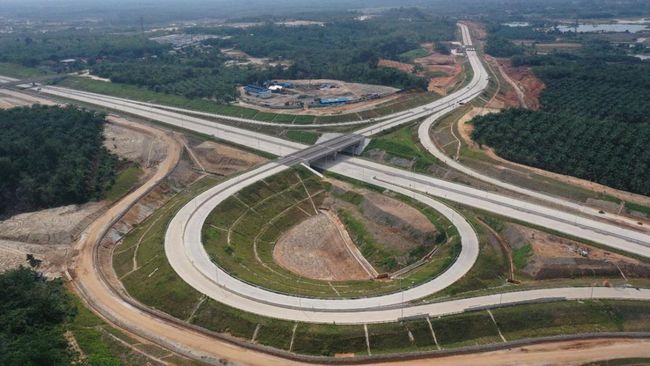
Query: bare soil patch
[
  {"x": 47, "y": 259},
  {"x": 556, "y": 257},
  {"x": 59, "y": 225},
  {"x": 524, "y": 80},
  {"x": 396, "y": 65},
  {"x": 300, "y": 98},
  {"x": 321, "y": 248},
  {"x": 466, "y": 128},
  {"x": 396, "y": 227},
  {"x": 224, "y": 159},
  {"x": 241, "y": 58},
  {"x": 398, "y": 216},
  {"x": 132, "y": 144},
  {"x": 435, "y": 62},
  {"x": 316, "y": 248}
]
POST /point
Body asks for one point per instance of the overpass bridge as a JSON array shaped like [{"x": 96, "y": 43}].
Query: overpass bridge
[{"x": 350, "y": 143}]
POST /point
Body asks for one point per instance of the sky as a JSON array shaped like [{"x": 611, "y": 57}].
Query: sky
[{"x": 182, "y": 8}]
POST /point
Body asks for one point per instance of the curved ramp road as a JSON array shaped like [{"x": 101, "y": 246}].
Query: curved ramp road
[
  {"x": 607, "y": 234},
  {"x": 189, "y": 259},
  {"x": 188, "y": 256},
  {"x": 589, "y": 229},
  {"x": 430, "y": 146}
]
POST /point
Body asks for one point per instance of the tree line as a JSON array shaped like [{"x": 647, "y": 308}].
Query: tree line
[{"x": 51, "y": 156}]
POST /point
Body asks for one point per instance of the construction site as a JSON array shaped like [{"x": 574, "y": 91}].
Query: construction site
[
  {"x": 227, "y": 240},
  {"x": 315, "y": 96}
]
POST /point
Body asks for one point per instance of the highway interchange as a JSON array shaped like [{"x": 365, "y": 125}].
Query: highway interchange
[{"x": 186, "y": 255}]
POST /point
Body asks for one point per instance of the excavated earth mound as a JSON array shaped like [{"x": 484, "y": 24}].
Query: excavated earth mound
[
  {"x": 398, "y": 215},
  {"x": 316, "y": 248}
]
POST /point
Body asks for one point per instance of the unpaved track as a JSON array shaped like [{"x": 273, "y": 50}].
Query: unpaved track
[
  {"x": 555, "y": 353},
  {"x": 103, "y": 300}
]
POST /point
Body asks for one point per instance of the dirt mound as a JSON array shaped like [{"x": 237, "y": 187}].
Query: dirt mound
[
  {"x": 555, "y": 257},
  {"x": 223, "y": 159},
  {"x": 316, "y": 248},
  {"x": 398, "y": 215}
]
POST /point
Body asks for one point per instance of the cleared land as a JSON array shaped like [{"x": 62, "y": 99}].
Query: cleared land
[
  {"x": 317, "y": 248},
  {"x": 443, "y": 71},
  {"x": 542, "y": 255},
  {"x": 524, "y": 81},
  {"x": 308, "y": 91},
  {"x": 222, "y": 159}
]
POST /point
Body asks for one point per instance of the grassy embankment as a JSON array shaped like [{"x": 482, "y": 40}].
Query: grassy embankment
[
  {"x": 125, "y": 180},
  {"x": 19, "y": 71},
  {"x": 402, "y": 143},
  {"x": 165, "y": 291},
  {"x": 305, "y": 137},
  {"x": 259, "y": 214},
  {"x": 102, "y": 344}
]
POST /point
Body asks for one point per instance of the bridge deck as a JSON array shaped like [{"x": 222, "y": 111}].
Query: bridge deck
[{"x": 323, "y": 149}]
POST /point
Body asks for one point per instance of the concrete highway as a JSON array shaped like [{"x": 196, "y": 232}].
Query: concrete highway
[
  {"x": 427, "y": 142},
  {"x": 396, "y": 179},
  {"x": 188, "y": 258},
  {"x": 185, "y": 251},
  {"x": 570, "y": 223}
]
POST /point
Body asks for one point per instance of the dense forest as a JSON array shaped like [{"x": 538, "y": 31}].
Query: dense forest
[
  {"x": 343, "y": 48},
  {"x": 614, "y": 154},
  {"x": 47, "y": 49},
  {"x": 33, "y": 313},
  {"x": 594, "y": 121},
  {"x": 52, "y": 156}
]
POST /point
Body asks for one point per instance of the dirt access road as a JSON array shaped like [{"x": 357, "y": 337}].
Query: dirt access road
[
  {"x": 556, "y": 353},
  {"x": 90, "y": 285}
]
